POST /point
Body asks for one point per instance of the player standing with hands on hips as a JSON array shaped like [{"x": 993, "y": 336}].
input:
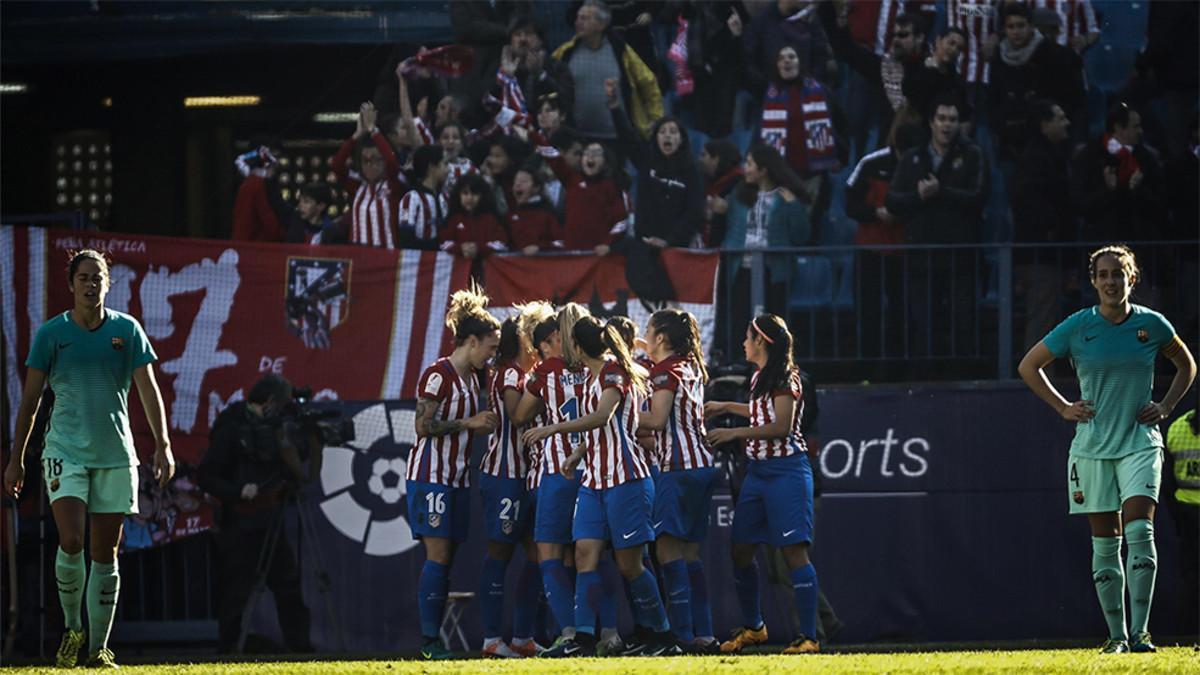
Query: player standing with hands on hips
[
  {"x": 1114, "y": 468},
  {"x": 89, "y": 355}
]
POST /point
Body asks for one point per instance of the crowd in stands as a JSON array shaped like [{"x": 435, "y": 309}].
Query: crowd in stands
[{"x": 735, "y": 125}]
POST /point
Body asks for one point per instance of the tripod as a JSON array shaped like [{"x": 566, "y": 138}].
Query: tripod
[{"x": 266, "y": 556}]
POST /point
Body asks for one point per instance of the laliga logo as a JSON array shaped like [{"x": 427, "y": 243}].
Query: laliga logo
[{"x": 363, "y": 484}]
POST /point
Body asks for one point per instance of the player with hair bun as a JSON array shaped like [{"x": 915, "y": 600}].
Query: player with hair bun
[
  {"x": 616, "y": 495},
  {"x": 775, "y": 505},
  {"x": 89, "y": 355},
  {"x": 684, "y": 488},
  {"x": 508, "y": 504},
  {"x": 447, "y": 419},
  {"x": 1114, "y": 467}
]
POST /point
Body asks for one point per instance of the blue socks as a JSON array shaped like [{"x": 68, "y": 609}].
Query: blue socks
[
  {"x": 647, "y": 606},
  {"x": 70, "y": 574},
  {"x": 804, "y": 584},
  {"x": 701, "y": 609},
  {"x": 529, "y": 589},
  {"x": 589, "y": 588},
  {"x": 745, "y": 581},
  {"x": 431, "y": 597},
  {"x": 679, "y": 601},
  {"x": 608, "y": 599},
  {"x": 491, "y": 595},
  {"x": 560, "y": 592}
]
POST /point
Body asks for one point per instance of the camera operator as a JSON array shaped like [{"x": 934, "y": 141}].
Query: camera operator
[{"x": 251, "y": 466}]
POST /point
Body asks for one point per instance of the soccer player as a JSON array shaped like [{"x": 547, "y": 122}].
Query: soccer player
[
  {"x": 553, "y": 393},
  {"x": 616, "y": 496},
  {"x": 507, "y": 503},
  {"x": 447, "y": 419},
  {"x": 684, "y": 489},
  {"x": 1114, "y": 467},
  {"x": 775, "y": 505},
  {"x": 89, "y": 355}
]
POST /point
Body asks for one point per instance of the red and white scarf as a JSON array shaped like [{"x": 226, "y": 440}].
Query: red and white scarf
[
  {"x": 809, "y": 145},
  {"x": 1127, "y": 164}
]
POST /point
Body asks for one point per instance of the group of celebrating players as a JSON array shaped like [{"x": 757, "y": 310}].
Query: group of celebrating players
[{"x": 591, "y": 450}]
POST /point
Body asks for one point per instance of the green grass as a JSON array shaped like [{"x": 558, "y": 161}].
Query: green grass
[{"x": 1167, "y": 660}]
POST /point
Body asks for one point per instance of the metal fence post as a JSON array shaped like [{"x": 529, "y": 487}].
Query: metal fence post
[
  {"x": 757, "y": 283},
  {"x": 1004, "y": 346}
]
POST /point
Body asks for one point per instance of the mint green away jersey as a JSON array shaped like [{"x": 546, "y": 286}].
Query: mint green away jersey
[
  {"x": 1115, "y": 365},
  {"x": 90, "y": 373}
]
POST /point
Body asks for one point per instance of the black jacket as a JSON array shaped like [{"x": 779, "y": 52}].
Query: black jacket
[
  {"x": 1053, "y": 72},
  {"x": 1041, "y": 194},
  {"x": 670, "y": 192},
  {"x": 952, "y": 215},
  {"x": 1122, "y": 214},
  {"x": 228, "y": 466}
]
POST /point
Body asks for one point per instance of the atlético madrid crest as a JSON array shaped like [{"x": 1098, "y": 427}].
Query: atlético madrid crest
[{"x": 317, "y": 298}]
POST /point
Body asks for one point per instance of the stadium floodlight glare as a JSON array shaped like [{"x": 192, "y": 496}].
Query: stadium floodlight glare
[
  {"x": 220, "y": 101},
  {"x": 335, "y": 118},
  {"x": 13, "y": 88}
]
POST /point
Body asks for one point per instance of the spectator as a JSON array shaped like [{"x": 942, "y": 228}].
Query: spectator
[
  {"x": 766, "y": 213},
  {"x": 595, "y": 55},
  {"x": 938, "y": 191},
  {"x": 709, "y": 62},
  {"x": 801, "y": 121},
  {"x": 1042, "y": 213},
  {"x": 721, "y": 166},
  {"x": 595, "y": 206},
  {"x": 1026, "y": 67},
  {"x": 550, "y": 116},
  {"x": 532, "y": 225},
  {"x": 473, "y": 227},
  {"x": 1118, "y": 182},
  {"x": 1075, "y": 25},
  {"x": 423, "y": 209},
  {"x": 634, "y": 21},
  {"x": 939, "y": 74},
  {"x": 309, "y": 222},
  {"x": 669, "y": 210},
  {"x": 784, "y": 23},
  {"x": 484, "y": 27},
  {"x": 885, "y": 73},
  {"x": 571, "y": 146},
  {"x": 253, "y": 217},
  {"x": 977, "y": 20},
  {"x": 881, "y": 273},
  {"x": 451, "y": 137},
  {"x": 538, "y": 77},
  {"x": 505, "y": 154},
  {"x": 375, "y": 184}
]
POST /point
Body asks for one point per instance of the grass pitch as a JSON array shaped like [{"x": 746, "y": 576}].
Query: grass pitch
[{"x": 1167, "y": 660}]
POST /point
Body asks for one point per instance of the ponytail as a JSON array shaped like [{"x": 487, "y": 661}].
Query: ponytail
[
  {"x": 530, "y": 316},
  {"x": 568, "y": 317},
  {"x": 779, "y": 368},
  {"x": 467, "y": 315},
  {"x": 682, "y": 332},
  {"x": 594, "y": 339}
]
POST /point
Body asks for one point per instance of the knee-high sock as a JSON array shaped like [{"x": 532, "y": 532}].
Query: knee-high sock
[
  {"x": 529, "y": 589},
  {"x": 745, "y": 581},
  {"x": 804, "y": 585},
  {"x": 71, "y": 575},
  {"x": 560, "y": 593},
  {"x": 701, "y": 609},
  {"x": 431, "y": 597},
  {"x": 491, "y": 595},
  {"x": 104, "y": 585},
  {"x": 679, "y": 599},
  {"x": 1110, "y": 583},
  {"x": 1141, "y": 568},
  {"x": 647, "y": 605},
  {"x": 588, "y": 590},
  {"x": 607, "y": 605}
]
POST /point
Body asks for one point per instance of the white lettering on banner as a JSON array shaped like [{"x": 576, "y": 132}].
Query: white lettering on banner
[
  {"x": 272, "y": 365},
  {"x": 326, "y": 395},
  {"x": 109, "y": 245},
  {"x": 219, "y": 280},
  {"x": 834, "y": 466},
  {"x": 216, "y": 405},
  {"x": 120, "y": 288}
]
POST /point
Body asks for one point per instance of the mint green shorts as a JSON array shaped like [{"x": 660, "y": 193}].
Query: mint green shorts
[
  {"x": 1103, "y": 485},
  {"x": 103, "y": 490}
]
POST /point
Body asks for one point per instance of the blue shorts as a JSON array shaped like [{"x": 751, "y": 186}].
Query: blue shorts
[
  {"x": 438, "y": 510},
  {"x": 507, "y": 508},
  {"x": 556, "y": 504},
  {"x": 620, "y": 514},
  {"x": 775, "y": 505},
  {"x": 681, "y": 503}
]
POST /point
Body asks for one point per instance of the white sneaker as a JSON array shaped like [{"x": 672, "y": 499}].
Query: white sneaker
[{"x": 497, "y": 649}]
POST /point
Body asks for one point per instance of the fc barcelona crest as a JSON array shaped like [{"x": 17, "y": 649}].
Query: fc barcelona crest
[
  {"x": 118, "y": 343},
  {"x": 1078, "y": 496},
  {"x": 1143, "y": 335},
  {"x": 317, "y": 298}
]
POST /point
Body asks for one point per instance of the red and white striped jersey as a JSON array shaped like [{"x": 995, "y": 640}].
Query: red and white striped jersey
[
  {"x": 373, "y": 214},
  {"x": 423, "y": 212},
  {"x": 762, "y": 412},
  {"x": 1078, "y": 17},
  {"x": 683, "y": 443},
  {"x": 561, "y": 391},
  {"x": 456, "y": 169},
  {"x": 978, "y": 19},
  {"x": 613, "y": 456},
  {"x": 444, "y": 459},
  {"x": 871, "y": 21},
  {"x": 505, "y": 456}
]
